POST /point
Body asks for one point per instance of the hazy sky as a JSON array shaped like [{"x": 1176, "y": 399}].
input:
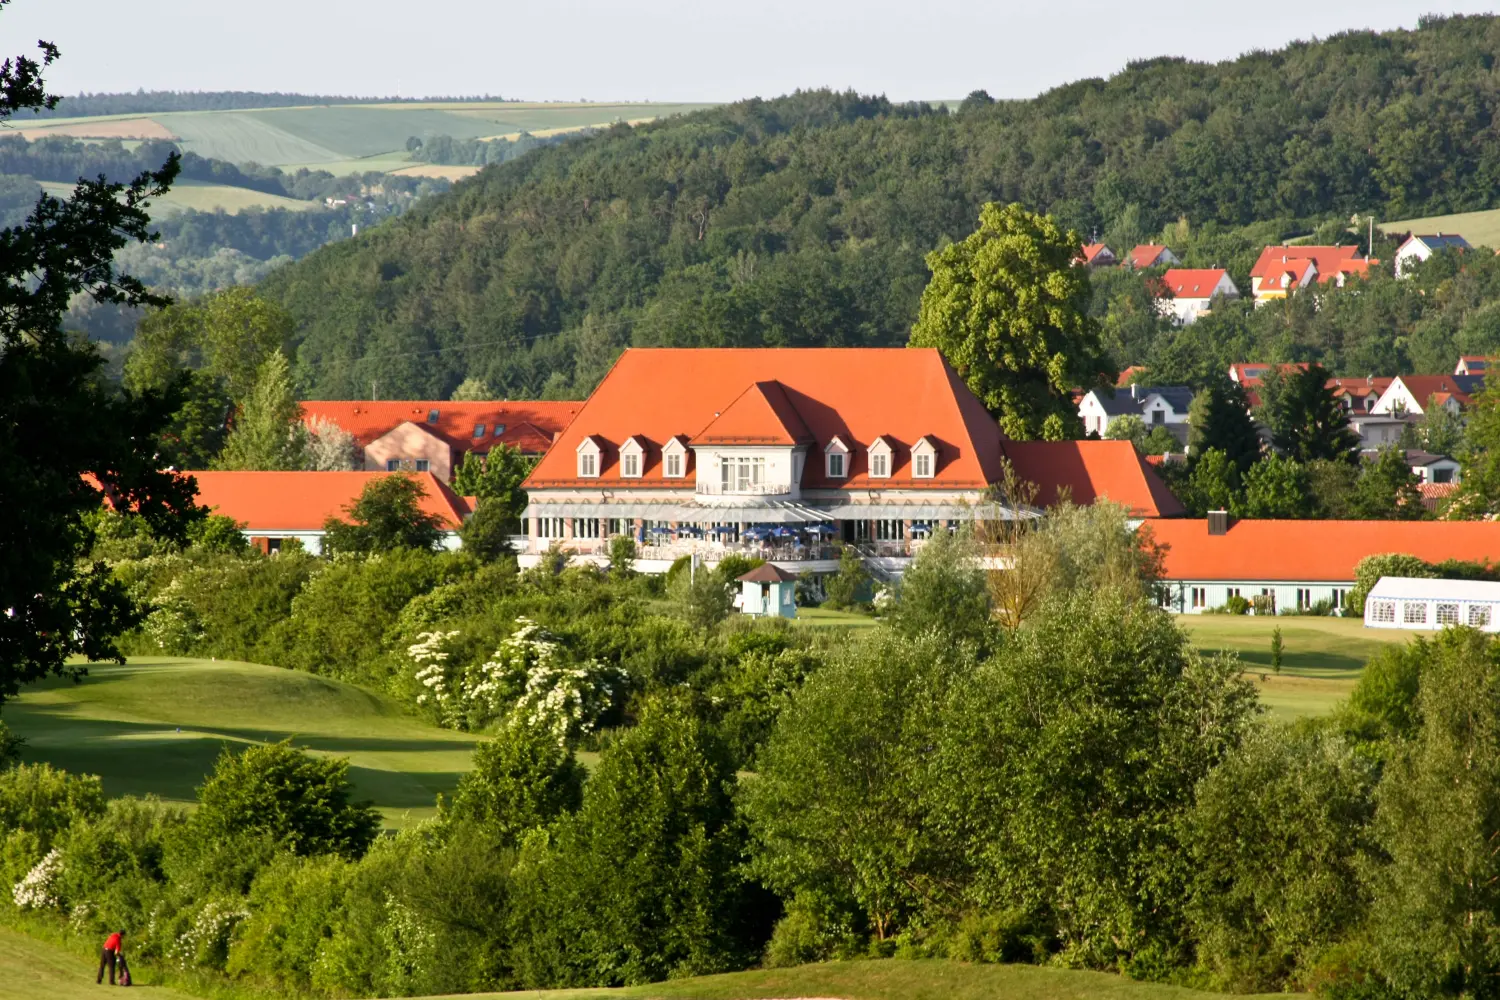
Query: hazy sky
[{"x": 703, "y": 50}]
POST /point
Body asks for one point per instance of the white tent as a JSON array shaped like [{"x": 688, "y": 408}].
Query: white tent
[{"x": 1415, "y": 603}]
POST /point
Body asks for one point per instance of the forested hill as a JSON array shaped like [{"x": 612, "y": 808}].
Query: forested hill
[{"x": 804, "y": 220}]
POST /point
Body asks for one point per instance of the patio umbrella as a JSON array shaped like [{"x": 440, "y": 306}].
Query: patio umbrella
[
  {"x": 756, "y": 531},
  {"x": 690, "y": 529},
  {"x": 722, "y": 529},
  {"x": 660, "y": 530},
  {"x": 821, "y": 529},
  {"x": 783, "y": 532}
]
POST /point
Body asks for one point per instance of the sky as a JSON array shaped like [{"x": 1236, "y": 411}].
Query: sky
[{"x": 666, "y": 50}]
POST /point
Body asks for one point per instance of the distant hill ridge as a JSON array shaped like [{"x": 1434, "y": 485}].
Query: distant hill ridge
[
  {"x": 804, "y": 220},
  {"x": 145, "y": 102}
]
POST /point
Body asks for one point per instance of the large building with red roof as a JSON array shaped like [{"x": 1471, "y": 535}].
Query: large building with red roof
[
  {"x": 434, "y": 435},
  {"x": 1281, "y": 270},
  {"x": 782, "y": 451},
  {"x": 1298, "y": 563},
  {"x": 274, "y": 507}
]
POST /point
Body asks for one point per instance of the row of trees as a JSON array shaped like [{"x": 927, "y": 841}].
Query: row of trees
[{"x": 145, "y": 102}]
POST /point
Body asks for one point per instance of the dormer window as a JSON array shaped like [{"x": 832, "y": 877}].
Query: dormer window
[
  {"x": 836, "y": 459},
  {"x": 499, "y": 429},
  {"x": 881, "y": 459},
  {"x": 589, "y": 456},
  {"x": 478, "y": 431},
  {"x": 432, "y": 416},
  {"x": 674, "y": 459},
  {"x": 632, "y": 457},
  {"x": 923, "y": 459}
]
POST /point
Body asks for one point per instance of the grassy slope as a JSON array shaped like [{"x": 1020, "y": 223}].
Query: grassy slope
[
  {"x": 1321, "y": 657},
  {"x": 1479, "y": 228},
  {"x": 30, "y": 969},
  {"x": 892, "y": 979},
  {"x": 157, "y": 725},
  {"x": 204, "y": 197}
]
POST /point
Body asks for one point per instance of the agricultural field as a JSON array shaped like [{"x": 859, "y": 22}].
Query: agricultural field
[
  {"x": 348, "y": 138},
  {"x": 204, "y": 197},
  {"x": 156, "y": 726},
  {"x": 1479, "y": 228}
]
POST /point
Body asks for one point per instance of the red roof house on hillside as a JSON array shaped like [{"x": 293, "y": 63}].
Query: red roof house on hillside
[
  {"x": 1188, "y": 293},
  {"x": 1297, "y": 563},
  {"x": 1151, "y": 255},
  {"x": 274, "y": 506},
  {"x": 1283, "y": 269},
  {"x": 434, "y": 435},
  {"x": 877, "y": 446},
  {"x": 1096, "y": 255}
]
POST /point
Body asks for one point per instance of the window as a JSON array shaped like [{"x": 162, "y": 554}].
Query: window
[
  {"x": 1200, "y": 597},
  {"x": 499, "y": 429},
  {"x": 1479, "y": 615},
  {"x": 479, "y": 430},
  {"x": 549, "y": 527},
  {"x": 861, "y": 531},
  {"x": 880, "y": 465},
  {"x": 585, "y": 527},
  {"x": 392, "y": 464},
  {"x": 1304, "y": 598},
  {"x": 1338, "y": 597},
  {"x": 617, "y": 526},
  {"x": 630, "y": 464},
  {"x": 1442, "y": 475},
  {"x": 1158, "y": 416},
  {"x": 432, "y": 416},
  {"x": 890, "y": 531},
  {"x": 1447, "y": 614},
  {"x": 835, "y": 465},
  {"x": 674, "y": 464},
  {"x": 1414, "y": 612},
  {"x": 588, "y": 464},
  {"x": 922, "y": 465},
  {"x": 836, "y": 459},
  {"x": 742, "y": 475},
  {"x": 1232, "y": 592},
  {"x": 1163, "y": 595},
  {"x": 1384, "y": 611}
]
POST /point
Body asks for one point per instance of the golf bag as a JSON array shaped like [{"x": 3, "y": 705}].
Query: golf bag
[{"x": 124, "y": 971}]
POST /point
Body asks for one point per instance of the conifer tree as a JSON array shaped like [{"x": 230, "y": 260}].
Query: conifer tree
[
  {"x": 1307, "y": 420},
  {"x": 268, "y": 434},
  {"x": 1219, "y": 420}
]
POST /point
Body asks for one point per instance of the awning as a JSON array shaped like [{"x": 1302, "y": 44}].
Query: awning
[
  {"x": 776, "y": 511},
  {"x": 918, "y": 510}
]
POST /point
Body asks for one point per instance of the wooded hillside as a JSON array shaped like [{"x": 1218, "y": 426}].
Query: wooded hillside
[{"x": 804, "y": 220}]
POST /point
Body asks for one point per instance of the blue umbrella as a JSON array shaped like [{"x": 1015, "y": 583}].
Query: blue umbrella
[
  {"x": 821, "y": 529},
  {"x": 722, "y": 529},
  {"x": 783, "y": 532},
  {"x": 660, "y": 530},
  {"x": 690, "y": 529},
  {"x": 756, "y": 531}
]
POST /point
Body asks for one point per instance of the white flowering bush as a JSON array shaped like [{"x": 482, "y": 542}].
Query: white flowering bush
[
  {"x": 567, "y": 700},
  {"x": 409, "y": 950},
  {"x": 433, "y": 674},
  {"x": 205, "y": 941},
  {"x": 38, "y": 890},
  {"x": 173, "y": 625}
]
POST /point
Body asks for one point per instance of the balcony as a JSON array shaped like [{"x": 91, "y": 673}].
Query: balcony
[{"x": 744, "y": 490}]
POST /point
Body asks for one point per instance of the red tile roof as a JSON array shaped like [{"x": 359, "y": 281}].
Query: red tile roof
[
  {"x": 760, "y": 415},
  {"x": 1424, "y": 387},
  {"x": 1192, "y": 283},
  {"x": 1251, "y": 373},
  {"x": 1092, "y": 250},
  {"x": 1329, "y": 260},
  {"x": 1146, "y": 254},
  {"x": 1294, "y": 270},
  {"x": 302, "y": 501},
  {"x": 1093, "y": 470},
  {"x": 1125, "y": 377},
  {"x": 857, "y": 394},
  {"x": 529, "y": 425},
  {"x": 1354, "y": 268},
  {"x": 1314, "y": 550}
]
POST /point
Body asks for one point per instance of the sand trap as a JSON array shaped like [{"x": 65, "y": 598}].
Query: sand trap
[{"x": 121, "y": 128}]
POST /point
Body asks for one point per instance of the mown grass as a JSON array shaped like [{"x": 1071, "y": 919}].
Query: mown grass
[
  {"x": 32, "y": 969},
  {"x": 156, "y": 726},
  {"x": 1479, "y": 228}
]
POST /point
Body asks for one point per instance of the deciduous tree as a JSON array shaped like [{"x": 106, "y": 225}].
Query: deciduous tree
[{"x": 387, "y": 515}]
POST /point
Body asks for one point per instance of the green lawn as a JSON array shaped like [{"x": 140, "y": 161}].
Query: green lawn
[
  {"x": 30, "y": 969},
  {"x": 1479, "y": 228},
  {"x": 157, "y": 725},
  {"x": 891, "y": 979},
  {"x": 1321, "y": 657},
  {"x": 826, "y": 617}
]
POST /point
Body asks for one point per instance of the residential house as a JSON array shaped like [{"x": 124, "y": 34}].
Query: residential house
[
  {"x": 274, "y": 507},
  {"x": 1407, "y": 602},
  {"x": 1379, "y": 430},
  {"x": 1296, "y": 563},
  {"x": 1419, "y": 248},
  {"x": 1430, "y": 468},
  {"x": 1188, "y": 293},
  {"x": 1409, "y": 394},
  {"x": 1096, "y": 255},
  {"x": 1359, "y": 395},
  {"x": 1472, "y": 364},
  {"x": 1151, "y": 255},
  {"x": 1155, "y": 404},
  {"x": 1281, "y": 270},
  {"x": 434, "y": 435},
  {"x": 777, "y": 452},
  {"x": 1125, "y": 377}
]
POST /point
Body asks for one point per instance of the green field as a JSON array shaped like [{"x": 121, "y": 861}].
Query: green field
[
  {"x": 203, "y": 197},
  {"x": 1321, "y": 657},
  {"x": 1479, "y": 228},
  {"x": 351, "y": 138},
  {"x": 157, "y": 725}
]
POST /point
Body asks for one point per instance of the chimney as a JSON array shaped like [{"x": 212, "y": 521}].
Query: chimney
[
  {"x": 1218, "y": 522},
  {"x": 1135, "y": 391}
]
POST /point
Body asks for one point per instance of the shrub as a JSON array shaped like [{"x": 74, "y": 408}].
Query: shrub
[
  {"x": 522, "y": 779},
  {"x": 845, "y": 587},
  {"x": 1370, "y": 569},
  {"x": 45, "y": 802}
]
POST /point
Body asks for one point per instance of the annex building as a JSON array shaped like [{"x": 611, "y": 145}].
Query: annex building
[
  {"x": 1297, "y": 563},
  {"x": 781, "y": 452}
]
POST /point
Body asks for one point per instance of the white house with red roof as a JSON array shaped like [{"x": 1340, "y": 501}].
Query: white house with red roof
[
  {"x": 1187, "y": 293},
  {"x": 1281, "y": 270},
  {"x": 779, "y": 452},
  {"x": 1151, "y": 255},
  {"x": 1409, "y": 395},
  {"x": 434, "y": 435},
  {"x": 1096, "y": 255}
]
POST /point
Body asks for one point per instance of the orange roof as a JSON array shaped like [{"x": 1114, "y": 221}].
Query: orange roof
[
  {"x": 1361, "y": 387},
  {"x": 761, "y": 415},
  {"x": 1251, "y": 373},
  {"x": 1093, "y": 470},
  {"x": 1125, "y": 377},
  {"x": 1092, "y": 250},
  {"x": 1314, "y": 550},
  {"x": 1353, "y": 268},
  {"x": 856, "y": 394},
  {"x": 1192, "y": 283},
  {"x": 1329, "y": 260},
  {"x": 1146, "y": 254},
  {"x": 1294, "y": 270},
  {"x": 302, "y": 501},
  {"x": 528, "y": 425},
  {"x": 1444, "y": 387}
]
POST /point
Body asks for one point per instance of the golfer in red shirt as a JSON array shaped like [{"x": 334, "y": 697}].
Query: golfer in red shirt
[{"x": 109, "y": 956}]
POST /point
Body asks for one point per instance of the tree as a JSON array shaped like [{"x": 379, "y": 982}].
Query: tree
[
  {"x": 229, "y": 335},
  {"x": 622, "y": 555},
  {"x": 60, "y": 423},
  {"x": 843, "y": 588},
  {"x": 1276, "y": 487},
  {"x": 329, "y": 448},
  {"x": 472, "y": 390},
  {"x": 1009, "y": 311},
  {"x": 267, "y": 434},
  {"x": 488, "y": 531},
  {"x": 1219, "y": 420},
  {"x": 387, "y": 515},
  {"x": 497, "y": 476},
  {"x": 1127, "y": 428},
  {"x": 1478, "y": 493},
  {"x": 1308, "y": 421},
  {"x": 1386, "y": 489},
  {"x": 301, "y": 801},
  {"x": 1442, "y": 430},
  {"x": 944, "y": 591},
  {"x": 522, "y": 779},
  {"x": 1213, "y": 484},
  {"x": 1331, "y": 486}
]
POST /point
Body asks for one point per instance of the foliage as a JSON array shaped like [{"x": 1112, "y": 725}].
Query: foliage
[
  {"x": 386, "y": 516},
  {"x": 622, "y": 555},
  {"x": 1276, "y": 487},
  {"x": 523, "y": 779},
  {"x": 44, "y": 802},
  {"x": 1369, "y": 570},
  {"x": 1479, "y": 482},
  {"x": 487, "y": 532},
  {"x": 1009, "y": 311},
  {"x": 267, "y": 434},
  {"x": 944, "y": 591},
  {"x": 844, "y": 586},
  {"x": 1386, "y": 489},
  {"x": 1219, "y": 420},
  {"x": 300, "y": 801},
  {"x": 330, "y": 448},
  {"x": 496, "y": 476},
  {"x": 1307, "y": 420},
  {"x": 1383, "y": 705},
  {"x": 59, "y": 422},
  {"x": 226, "y": 337}
]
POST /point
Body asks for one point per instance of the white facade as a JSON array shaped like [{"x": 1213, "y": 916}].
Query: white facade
[
  {"x": 1411, "y": 603},
  {"x": 1398, "y": 398},
  {"x": 1419, "y": 248},
  {"x": 1195, "y": 597},
  {"x": 730, "y": 471},
  {"x": 1154, "y": 410},
  {"x": 1376, "y": 430},
  {"x": 1185, "y": 309},
  {"x": 1439, "y": 469}
]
